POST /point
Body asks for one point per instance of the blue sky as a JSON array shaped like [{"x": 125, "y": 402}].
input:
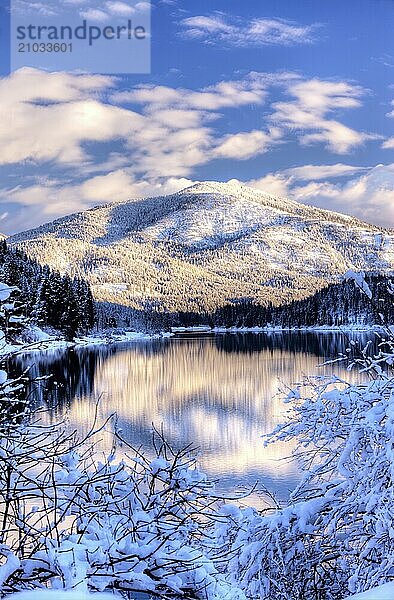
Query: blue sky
[{"x": 295, "y": 98}]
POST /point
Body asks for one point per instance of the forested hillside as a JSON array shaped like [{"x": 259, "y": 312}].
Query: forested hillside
[
  {"x": 208, "y": 245},
  {"x": 46, "y": 297},
  {"x": 339, "y": 304},
  {"x": 65, "y": 303}
]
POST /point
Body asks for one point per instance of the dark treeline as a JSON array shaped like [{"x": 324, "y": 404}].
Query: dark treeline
[
  {"x": 47, "y": 298},
  {"x": 335, "y": 305}
]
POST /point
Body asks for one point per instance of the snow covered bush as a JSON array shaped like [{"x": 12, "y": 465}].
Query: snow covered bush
[
  {"x": 70, "y": 521},
  {"x": 336, "y": 535}
]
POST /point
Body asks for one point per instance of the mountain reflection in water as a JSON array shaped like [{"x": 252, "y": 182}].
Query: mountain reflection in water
[{"x": 219, "y": 393}]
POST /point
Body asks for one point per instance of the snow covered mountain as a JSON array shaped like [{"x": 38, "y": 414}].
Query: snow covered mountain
[{"x": 206, "y": 245}]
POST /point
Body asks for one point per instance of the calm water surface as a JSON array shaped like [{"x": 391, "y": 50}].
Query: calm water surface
[{"x": 218, "y": 392}]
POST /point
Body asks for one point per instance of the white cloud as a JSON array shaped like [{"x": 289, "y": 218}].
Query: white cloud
[
  {"x": 34, "y": 8},
  {"x": 316, "y": 172},
  {"x": 276, "y": 184},
  {"x": 50, "y": 199},
  {"x": 180, "y": 135},
  {"x": 309, "y": 113},
  {"x": 56, "y": 132},
  {"x": 279, "y": 31},
  {"x": 115, "y": 161},
  {"x": 143, "y": 6},
  {"x": 94, "y": 14},
  {"x": 220, "y": 28},
  {"x": 116, "y": 186},
  {"x": 337, "y": 137},
  {"x": 180, "y": 119},
  {"x": 321, "y": 96},
  {"x": 388, "y": 144},
  {"x": 225, "y": 94},
  {"x": 391, "y": 113},
  {"x": 112, "y": 187},
  {"x": 31, "y": 85},
  {"x": 245, "y": 145},
  {"x": 370, "y": 196},
  {"x": 200, "y": 26},
  {"x": 172, "y": 153},
  {"x": 54, "y": 114}
]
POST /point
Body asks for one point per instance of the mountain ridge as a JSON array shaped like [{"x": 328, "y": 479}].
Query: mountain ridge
[
  {"x": 217, "y": 187},
  {"x": 206, "y": 245}
]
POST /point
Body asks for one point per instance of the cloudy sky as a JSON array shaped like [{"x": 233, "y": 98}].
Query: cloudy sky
[{"x": 295, "y": 98}]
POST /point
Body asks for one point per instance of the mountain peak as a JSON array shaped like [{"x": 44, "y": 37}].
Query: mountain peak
[
  {"x": 206, "y": 245},
  {"x": 232, "y": 187},
  {"x": 219, "y": 187},
  {"x": 237, "y": 194}
]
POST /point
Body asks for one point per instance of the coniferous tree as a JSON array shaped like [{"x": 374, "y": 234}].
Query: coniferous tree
[{"x": 48, "y": 298}]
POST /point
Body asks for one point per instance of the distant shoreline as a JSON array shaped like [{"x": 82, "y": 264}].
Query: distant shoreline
[
  {"x": 49, "y": 343},
  {"x": 272, "y": 329}
]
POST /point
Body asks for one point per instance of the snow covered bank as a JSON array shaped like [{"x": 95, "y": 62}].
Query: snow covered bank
[
  {"x": 115, "y": 337},
  {"x": 38, "y": 341}
]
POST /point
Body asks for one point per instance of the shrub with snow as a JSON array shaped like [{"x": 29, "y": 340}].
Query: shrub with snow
[
  {"x": 336, "y": 536},
  {"x": 136, "y": 525}
]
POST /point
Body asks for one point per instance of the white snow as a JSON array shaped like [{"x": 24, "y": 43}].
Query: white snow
[
  {"x": 5, "y": 291},
  {"x": 359, "y": 280},
  {"x": 383, "y": 592}
]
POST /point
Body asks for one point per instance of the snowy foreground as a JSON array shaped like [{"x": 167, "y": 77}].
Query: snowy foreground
[
  {"x": 383, "y": 592},
  {"x": 75, "y": 520}
]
